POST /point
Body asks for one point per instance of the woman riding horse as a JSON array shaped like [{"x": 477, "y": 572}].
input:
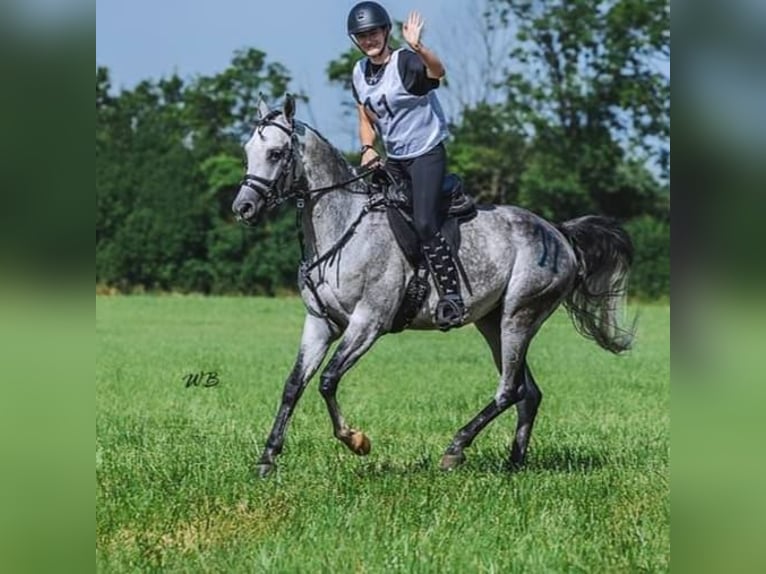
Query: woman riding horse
[{"x": 394, "y": 92}]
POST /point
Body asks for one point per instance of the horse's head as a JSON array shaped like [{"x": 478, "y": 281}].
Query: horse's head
[{"x": 273, "y": 163}]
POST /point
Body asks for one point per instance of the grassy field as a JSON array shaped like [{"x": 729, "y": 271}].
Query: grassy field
[{"x": 173, "y": 483}]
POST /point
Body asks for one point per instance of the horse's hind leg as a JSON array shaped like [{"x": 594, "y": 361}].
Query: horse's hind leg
[
  {"x": 516, "y": 329},
  {"x": 527, "y": 411},
  {"x": 489, "y": 327},
  {"x": 356, "y": 341}
]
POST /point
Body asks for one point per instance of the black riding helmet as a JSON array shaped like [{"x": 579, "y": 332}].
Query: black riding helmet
[{"x": 367, "y": 16}]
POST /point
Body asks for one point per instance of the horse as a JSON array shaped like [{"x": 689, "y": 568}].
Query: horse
[{"x": 353, "y": 278}]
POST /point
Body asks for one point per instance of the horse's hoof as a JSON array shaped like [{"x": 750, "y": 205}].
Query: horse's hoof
[
  {"x": 264, "y": 469},
  {"x": 517, "y": 456},
  {"x": 452, "y": 461},
  {"x": 359, "y": 443}
]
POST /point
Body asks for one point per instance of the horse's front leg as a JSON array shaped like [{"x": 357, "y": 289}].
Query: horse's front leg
[
  {"x": 316, "y": 339},
  {"x": 356, "y": 341}
]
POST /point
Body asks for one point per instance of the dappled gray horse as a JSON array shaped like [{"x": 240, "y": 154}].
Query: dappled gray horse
[{"x": 353, "y": 280}]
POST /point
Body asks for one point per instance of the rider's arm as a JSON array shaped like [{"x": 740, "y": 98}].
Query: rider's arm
[
  {"x": 367, "y": 135},
  {"x": 434, "y": 66}
]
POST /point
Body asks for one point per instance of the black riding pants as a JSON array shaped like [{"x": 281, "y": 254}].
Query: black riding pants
[{"x": 426, "y": 174}]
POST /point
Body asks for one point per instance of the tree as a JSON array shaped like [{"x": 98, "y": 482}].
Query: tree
[
  {"x": 586, "y": 80},
  {"x": 221, "y": 106},
  {"x": 488, "y": 150},
  {"x": 168, "y": 160}
]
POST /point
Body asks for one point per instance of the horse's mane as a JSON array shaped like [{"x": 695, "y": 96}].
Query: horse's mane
[
  {"x": 339, "y": 157},
  {"x": 342, "y": 166}
]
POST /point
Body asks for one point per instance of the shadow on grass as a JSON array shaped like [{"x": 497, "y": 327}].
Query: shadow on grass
[
  {"x": 559, "y": 459},
  {"x": 422, "y": 465},
  {"x": 564, "y": 459}
]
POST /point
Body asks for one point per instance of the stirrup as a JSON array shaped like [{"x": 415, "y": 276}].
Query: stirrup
[{"x": 450, "y": 312}]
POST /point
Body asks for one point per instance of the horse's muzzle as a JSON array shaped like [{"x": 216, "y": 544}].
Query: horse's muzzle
[{"x": 246, "y": 206}]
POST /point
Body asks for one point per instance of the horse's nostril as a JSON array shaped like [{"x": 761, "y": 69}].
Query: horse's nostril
[{"x": 247, "y": 209}]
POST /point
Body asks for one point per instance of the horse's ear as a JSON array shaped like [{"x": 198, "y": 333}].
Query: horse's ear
[
  {"x": 289, "y": 108},
  {"x": 262, "y": 108}
]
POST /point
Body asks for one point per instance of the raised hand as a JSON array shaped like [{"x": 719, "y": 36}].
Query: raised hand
[{"x": 412, "y": 29}]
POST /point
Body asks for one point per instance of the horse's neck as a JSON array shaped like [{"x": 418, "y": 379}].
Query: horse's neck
[{"x": 329, "y": 214}]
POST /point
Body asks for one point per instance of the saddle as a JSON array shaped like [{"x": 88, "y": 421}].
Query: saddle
[{"x": 458, "y": 208}]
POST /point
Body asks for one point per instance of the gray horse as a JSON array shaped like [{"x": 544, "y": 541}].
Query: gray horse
[{"x": 354, "y": 276}]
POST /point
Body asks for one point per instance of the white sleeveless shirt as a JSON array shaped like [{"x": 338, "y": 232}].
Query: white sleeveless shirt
[{"x": 409, "y": 125}]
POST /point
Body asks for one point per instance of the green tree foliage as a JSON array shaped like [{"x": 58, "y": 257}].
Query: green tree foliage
[
  {"x": 168, "y": 160},
  {"x": 585, "y": 80},
  {"x": 488, "y": 149},
  {"x": 650, "y": 276},
  {"x": 588, "y": 81}
]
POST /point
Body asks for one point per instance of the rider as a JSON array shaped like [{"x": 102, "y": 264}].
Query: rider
[{"x": 394, "y": 91}]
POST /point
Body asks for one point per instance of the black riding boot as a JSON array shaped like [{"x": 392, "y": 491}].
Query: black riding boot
[{"x": 450, "y": 310}]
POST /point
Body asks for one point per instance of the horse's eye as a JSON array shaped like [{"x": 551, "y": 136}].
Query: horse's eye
[{"x": 275, "y": 154}]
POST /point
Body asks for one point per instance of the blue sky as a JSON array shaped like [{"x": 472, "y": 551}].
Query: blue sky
[{"x": 148, "y": 39}]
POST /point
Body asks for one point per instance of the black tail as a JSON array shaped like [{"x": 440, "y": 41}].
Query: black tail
[{"x": 604, "y": 255}]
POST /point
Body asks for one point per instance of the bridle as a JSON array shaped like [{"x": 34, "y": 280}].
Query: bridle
[
  {"x": 286, "y": 184},
  {"x": 277, "y": 190}
]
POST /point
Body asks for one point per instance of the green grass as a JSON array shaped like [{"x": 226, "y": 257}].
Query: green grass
[{"x": 173, "y": 483}]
